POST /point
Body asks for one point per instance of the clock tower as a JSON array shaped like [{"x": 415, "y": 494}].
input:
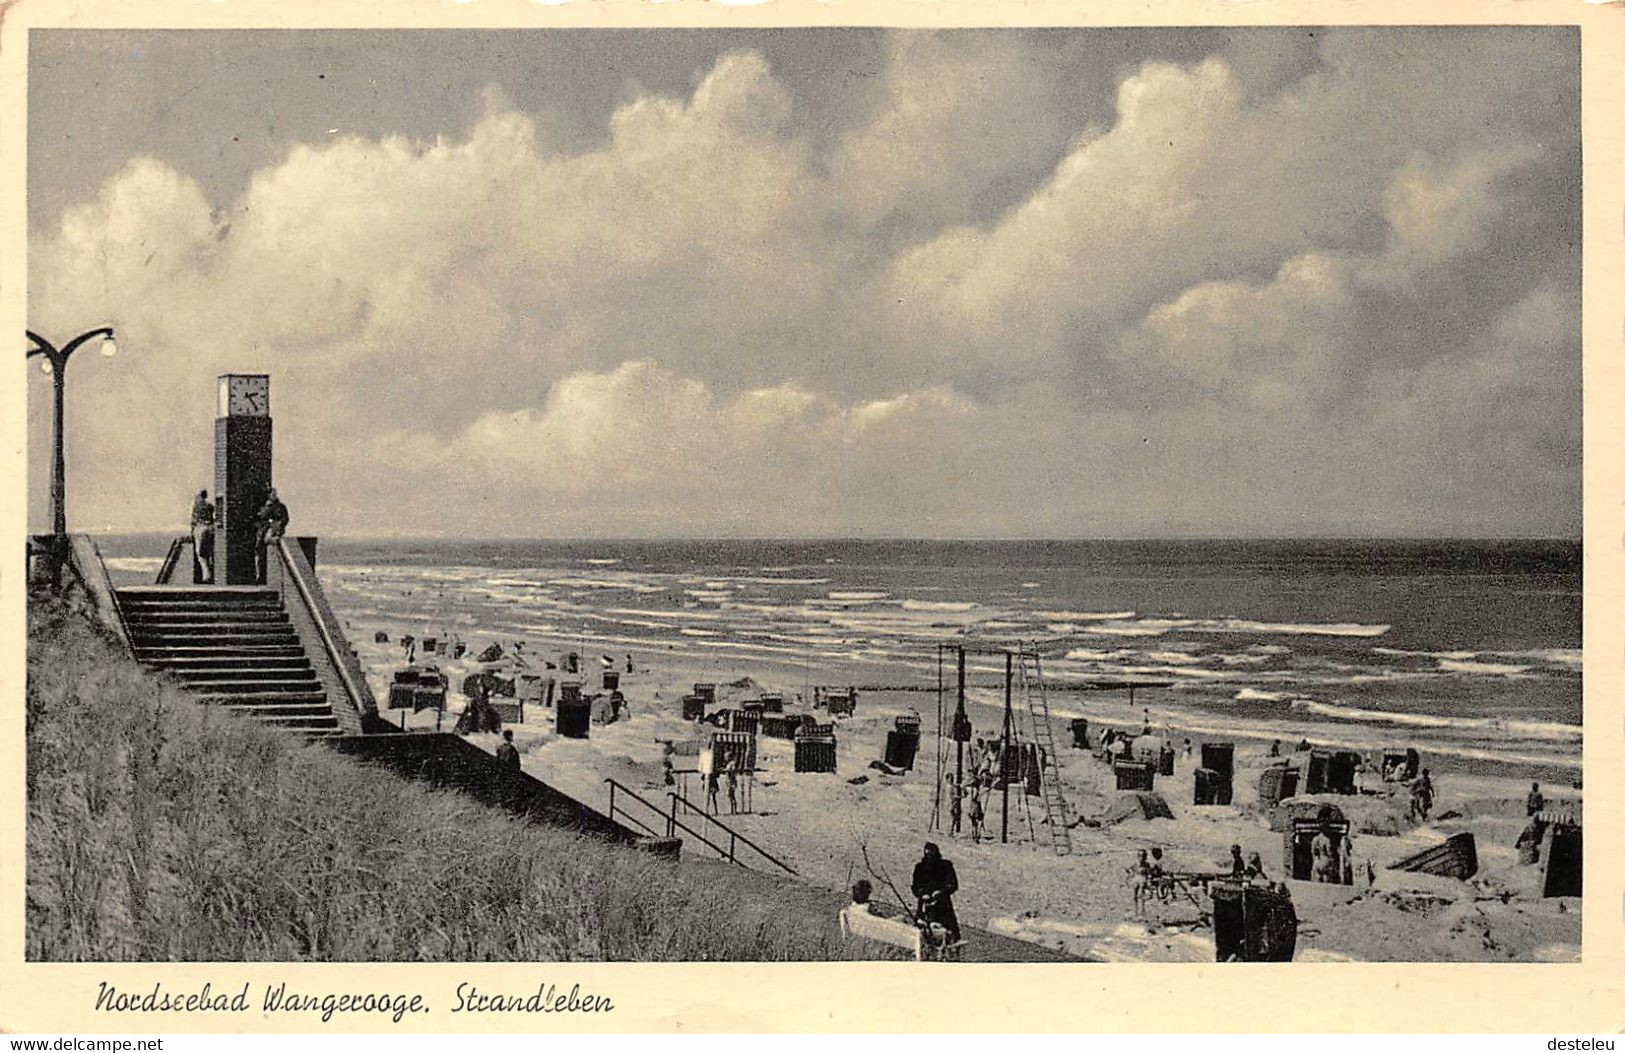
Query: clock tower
[{"x": 242, "y": 472}]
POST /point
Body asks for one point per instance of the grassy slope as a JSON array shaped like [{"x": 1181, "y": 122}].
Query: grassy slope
[{"x": 159, "y": 828}]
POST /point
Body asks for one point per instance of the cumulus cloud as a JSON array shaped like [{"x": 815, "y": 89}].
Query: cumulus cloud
[{"x": 1240, "y": 302}]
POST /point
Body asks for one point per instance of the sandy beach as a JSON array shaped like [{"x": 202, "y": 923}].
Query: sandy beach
[{"x": 1081, "y": 903}]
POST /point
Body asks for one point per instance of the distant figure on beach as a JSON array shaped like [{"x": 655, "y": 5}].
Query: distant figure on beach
[
  {"x": 507, "y": 753},
  {"x": 1275, "y": 748},
  {"x": 733, "y": 790},
  {"x": 1146, "y": 729},
  {"x": 1142, "y": 882},
  {"x": 1304, "y": 746},
  {"x": 1255, "y": 868},
  {"x": 1188, "y": 749},
  {"x": 667, "y": 775},
  {"x": 628, "y": 663},
  {"x": 273, "y": 524},
  {"x": 1422, "y": 796},
  {"x": 1528, "y": 843},
  {"x": 711, "y": 792},
  {"x": 203, "y": 536},
  {"x": 1536, "y": 800},
  {"x": 976, "y": 814},
  {"x": 409, "y": 648},
  {"x": 1237, "y": 866},
  {"x": 1160, "y": 883},
  {"x": 934, "y": 886}
]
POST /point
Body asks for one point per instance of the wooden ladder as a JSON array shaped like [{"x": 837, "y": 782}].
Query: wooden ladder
[{"x": 1055, "y": 810}]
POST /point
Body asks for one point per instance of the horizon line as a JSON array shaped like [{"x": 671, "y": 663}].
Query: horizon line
[{"x": 848, "y": 538}]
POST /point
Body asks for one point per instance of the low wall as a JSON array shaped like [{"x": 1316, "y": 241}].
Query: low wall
[
  {"x": 286, "y": 564},
  {"x": 447, "y": 761}
]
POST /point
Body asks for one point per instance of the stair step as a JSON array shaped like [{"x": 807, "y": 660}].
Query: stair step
[
  {"x": 224, "y": 659},
  {"x": 314, "y": 709},
  {"x": 236, "y": 616},
  {"x": 213, "y": 647},
  {"x": 211, "y": 593},
  {"x": 253, "y": 687},
  {"x": 263, "y": 698},
  {"x": 327, "y": 723},
  {"x": 267, "y": 630},
  {"x": 269, "y": 603},
  {"x": 251, "y": 672},
  {"x": 142, "y": 607}
]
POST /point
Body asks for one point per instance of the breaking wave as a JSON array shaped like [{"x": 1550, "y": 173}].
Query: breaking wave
[
  {"x": 1451, "y": 665},
  {"x": 1544, "y": 731},
  {"x": 936, "y": 605}
]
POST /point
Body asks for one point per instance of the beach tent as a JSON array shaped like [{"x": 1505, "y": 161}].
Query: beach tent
[
  {"x": 1137, "y": 806},
  {"x": 1276, "y": 784},
  {"x": 1252, "y": 923},
  {"x": 1210, "y": 788},
  {"x": 1134, "y": 775},
  {"x": 900, "y": 749},
  {"x": 1563, "y": 867},
  {"x": 1303, "y": 821},
  {"x": 1220, "y": 757},
  {"x": 606, "y": 709}
]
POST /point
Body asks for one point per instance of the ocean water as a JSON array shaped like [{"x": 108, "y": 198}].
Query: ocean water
[{"x": 1467, "y": 647}]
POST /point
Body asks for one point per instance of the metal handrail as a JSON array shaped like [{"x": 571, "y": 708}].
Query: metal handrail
[
  {"x": 734, "y": 836},
  {"x": 171, "y": 560},
  {"x": 328, "y": 644},
  {"x": 613, "y": 786},
  {"x": 673, "y": 824}
]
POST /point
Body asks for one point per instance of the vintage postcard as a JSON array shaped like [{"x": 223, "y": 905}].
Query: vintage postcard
[{"x": 1026, "y": 515}]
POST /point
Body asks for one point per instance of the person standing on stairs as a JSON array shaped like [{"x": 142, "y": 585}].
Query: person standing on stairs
[
  {"x": 273, "y": 523},
  {"x": 202, "y": 538}
]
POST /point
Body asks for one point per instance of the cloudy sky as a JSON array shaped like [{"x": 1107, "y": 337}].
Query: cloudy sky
[{"x": 1064, "y": 283}]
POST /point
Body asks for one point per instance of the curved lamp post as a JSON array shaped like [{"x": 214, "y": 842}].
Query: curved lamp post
[{"x": 56, "y": 365}]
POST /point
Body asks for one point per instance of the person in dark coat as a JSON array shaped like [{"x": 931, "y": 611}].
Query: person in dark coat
[
  {"x": 507, "y": 753},
  {"x": 1536, "y": 800},
  {"x": 273, "y": 524},
  {"x": 934, "y": 886}
]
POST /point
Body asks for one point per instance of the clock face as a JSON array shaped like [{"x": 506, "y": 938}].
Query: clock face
[{"x": 245, "y": 396}]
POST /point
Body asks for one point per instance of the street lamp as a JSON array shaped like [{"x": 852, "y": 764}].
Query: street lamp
[{"x": 55, "y": 365}]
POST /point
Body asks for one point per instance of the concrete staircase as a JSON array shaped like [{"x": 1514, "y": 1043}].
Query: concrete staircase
[{"x": 231, "y": 646}]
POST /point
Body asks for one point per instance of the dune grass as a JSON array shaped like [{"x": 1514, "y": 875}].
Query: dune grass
[{"x": 163, "y": 829}]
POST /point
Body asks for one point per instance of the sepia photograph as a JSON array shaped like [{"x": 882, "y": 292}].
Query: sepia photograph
[{"x": 954, "y": 494}]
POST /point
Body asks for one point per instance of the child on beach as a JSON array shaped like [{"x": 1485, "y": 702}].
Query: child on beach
[
  {"x": 976, "y": 814},
  {"x": 1142, "y": 882}
]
